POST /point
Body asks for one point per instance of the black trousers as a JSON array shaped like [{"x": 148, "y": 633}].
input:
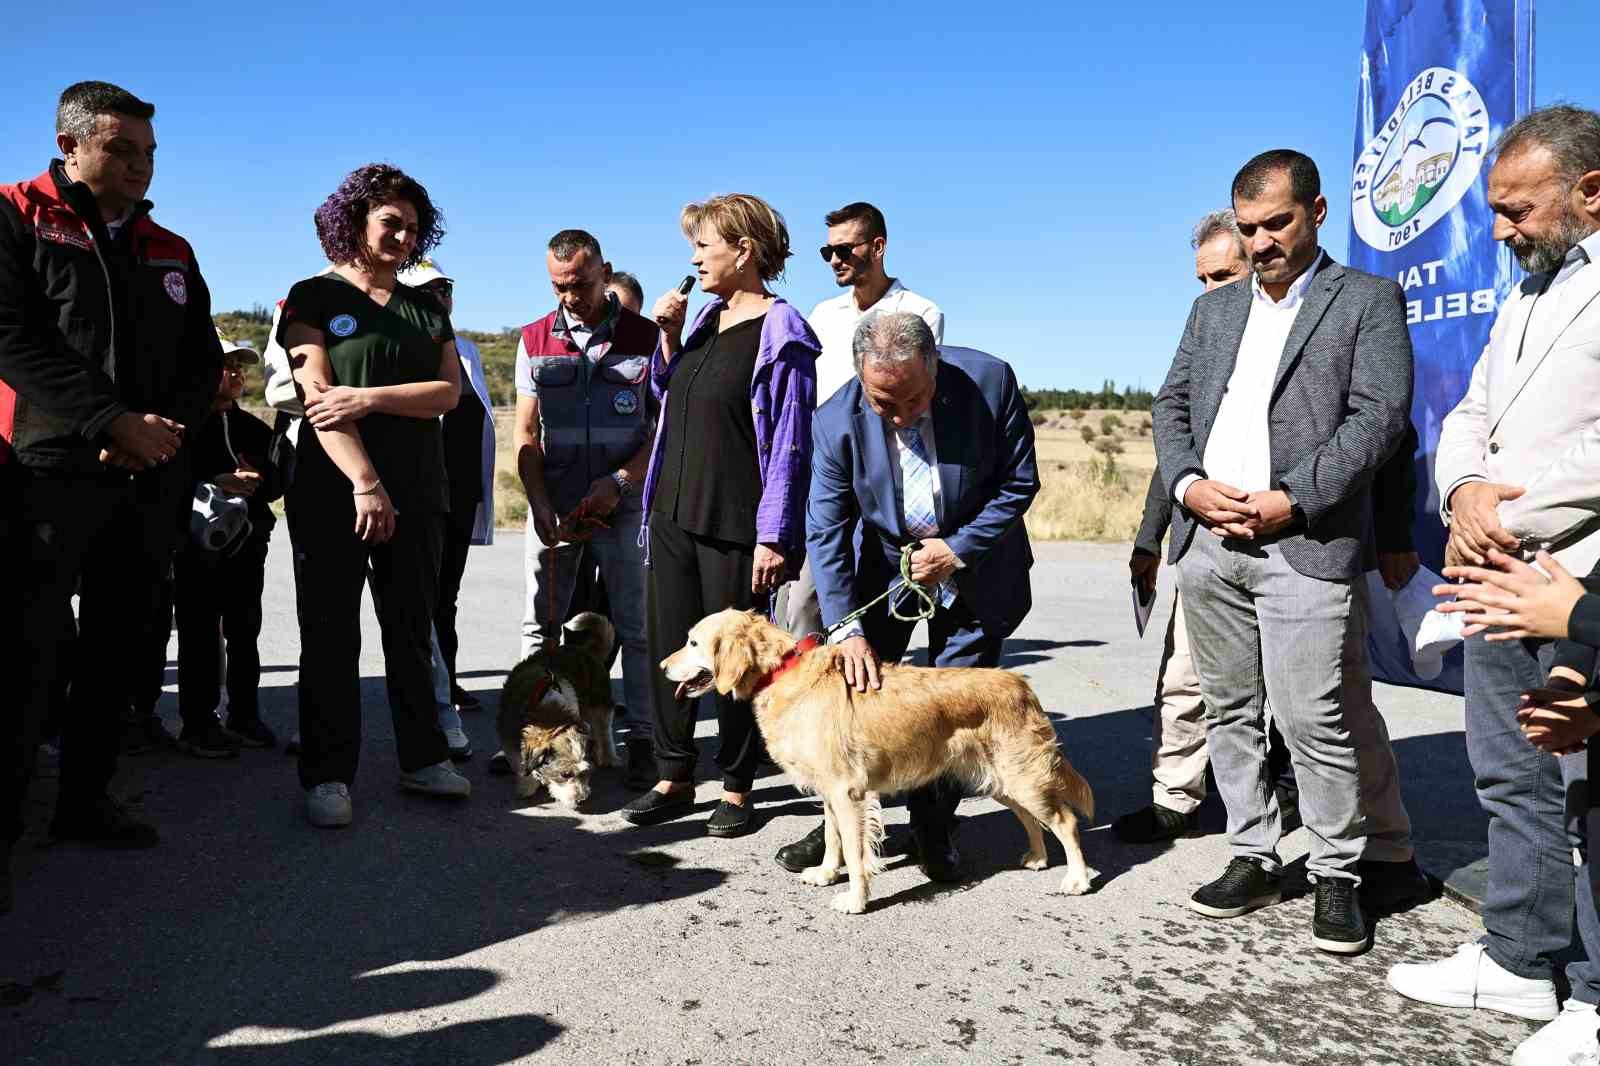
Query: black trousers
[
  {"x": 109, "y": 538},
  {"x": 690, "y": 577},
  {"x": 151, "y": 676},
  {"x": 217, "y": 599},
  {"x": 457, "y": 540},
  {"x": 956, "y": 637},
  {"x": 331, "y": 565}
]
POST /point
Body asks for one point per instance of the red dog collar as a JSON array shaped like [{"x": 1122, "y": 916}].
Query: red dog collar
[
  {"x": 791, "y": 658},
  {"x": 541, "y": 688}
]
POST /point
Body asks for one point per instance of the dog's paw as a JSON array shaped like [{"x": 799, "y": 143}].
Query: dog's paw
[
  {"x": 1076, "y": 883},
  {"x": 848, "y": 903},
  {"x": 1030, "y": 861},
  {"x": 821, "y": 876}
]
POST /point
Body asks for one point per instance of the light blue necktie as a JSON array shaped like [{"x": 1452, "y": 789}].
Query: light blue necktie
[{"x": 916, "y": 484}]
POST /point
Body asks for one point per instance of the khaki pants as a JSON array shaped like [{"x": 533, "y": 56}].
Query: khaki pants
[{"x": 1178, "y": 741}]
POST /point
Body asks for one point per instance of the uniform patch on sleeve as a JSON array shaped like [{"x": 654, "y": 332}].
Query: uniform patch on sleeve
[{"x": 177, "y": 286}]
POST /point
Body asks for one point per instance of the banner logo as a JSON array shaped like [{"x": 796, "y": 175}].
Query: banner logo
[{"x": 1422, "y": 160}]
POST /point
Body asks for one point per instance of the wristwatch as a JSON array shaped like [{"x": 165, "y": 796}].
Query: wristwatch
[{"x": 624, "y": 486}]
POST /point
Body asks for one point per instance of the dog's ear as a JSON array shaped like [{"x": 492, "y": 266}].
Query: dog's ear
[{"x": 732, "y": 659}]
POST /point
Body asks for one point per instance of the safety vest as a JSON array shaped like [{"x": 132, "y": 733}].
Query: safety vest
[{"x": 591, "y": 414}]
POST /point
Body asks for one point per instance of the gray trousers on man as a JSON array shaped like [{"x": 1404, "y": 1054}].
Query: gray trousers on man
[
  {"x": 796, "y": 608},
  {"x": 1261, "y": 631},
  {"x": 551, "y": 575}
]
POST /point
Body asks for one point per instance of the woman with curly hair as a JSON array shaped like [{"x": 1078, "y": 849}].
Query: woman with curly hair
[
  {"x": 725, "y": 493},
  {"x": 377, "y": 364}
]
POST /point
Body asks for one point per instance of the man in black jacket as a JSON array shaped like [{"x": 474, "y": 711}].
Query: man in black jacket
[{"x": 107, "y": 357}]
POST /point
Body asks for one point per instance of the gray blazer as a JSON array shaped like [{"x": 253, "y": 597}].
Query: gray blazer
[{"x": 1340, "y": 408}]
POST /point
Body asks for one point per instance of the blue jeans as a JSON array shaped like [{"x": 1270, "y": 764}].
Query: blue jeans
[{"x": 1536, "y": 805}]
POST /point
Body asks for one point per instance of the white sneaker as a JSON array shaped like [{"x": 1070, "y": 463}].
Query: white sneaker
[
  {"x": 1568, "y": 1041},
  {"x": 1470, "y": 978},
  {"x": 460, "y": 746},
  {"x": 328, "y": 805},
  {"x": 440, "y": 779}
]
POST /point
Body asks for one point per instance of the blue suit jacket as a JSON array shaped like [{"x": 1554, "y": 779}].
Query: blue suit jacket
[{"x": 987, "y": 477}]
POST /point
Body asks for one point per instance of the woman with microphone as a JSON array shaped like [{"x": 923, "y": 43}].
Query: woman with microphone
[{"x": 724, "y": 496}]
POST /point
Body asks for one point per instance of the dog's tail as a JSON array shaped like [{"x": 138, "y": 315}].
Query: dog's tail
[{"x": 1074, "y": 788}]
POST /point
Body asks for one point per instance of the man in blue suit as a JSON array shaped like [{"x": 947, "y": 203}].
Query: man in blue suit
[{"x": 930, "y": 450}]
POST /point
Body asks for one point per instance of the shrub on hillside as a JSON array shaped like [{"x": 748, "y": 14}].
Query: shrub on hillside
[
  {"x": 1109, "y": 424},
  {"x": 1087, "y": 432}
]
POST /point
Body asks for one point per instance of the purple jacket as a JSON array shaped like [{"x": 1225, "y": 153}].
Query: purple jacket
[{"x": 783, "y": 396}]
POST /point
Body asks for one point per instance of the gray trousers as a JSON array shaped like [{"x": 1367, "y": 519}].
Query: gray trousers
[
  {"x": 1261, "y": 631},
  {"x": 552, "y": 573},
  {"x": 796, "y": 608}
]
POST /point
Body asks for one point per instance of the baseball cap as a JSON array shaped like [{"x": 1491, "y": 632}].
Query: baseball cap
[
  {"x": 242, "y": 352},
  {"x": 425, "y": 271}
]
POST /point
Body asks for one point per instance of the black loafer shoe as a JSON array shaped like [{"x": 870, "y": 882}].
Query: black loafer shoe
[
  {"x": 731, "y": 820},
  {"x": 936, "y": 854},
  {"x": 1338, "y": 925},
  {"x": 1243, "y": 887},
  {"x": 1154, "y": 824},
  {"x": 655, "y": 807},
  {"x": 105, "y": 823},
  {"x": 464, "y": 700},
  {"x": 499, "y": 765},
  {"x": 803, "y": 853},
  {"x": 1392, "y": 887}
]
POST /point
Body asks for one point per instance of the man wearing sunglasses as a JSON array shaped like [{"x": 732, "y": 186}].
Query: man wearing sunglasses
[{"x": 857, "y": 238}]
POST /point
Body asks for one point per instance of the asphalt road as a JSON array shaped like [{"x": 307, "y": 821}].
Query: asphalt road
[{"x": 499, "y": 931}]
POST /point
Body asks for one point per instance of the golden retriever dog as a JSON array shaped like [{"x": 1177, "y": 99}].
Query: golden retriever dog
[{"x": 984, "y": 727}]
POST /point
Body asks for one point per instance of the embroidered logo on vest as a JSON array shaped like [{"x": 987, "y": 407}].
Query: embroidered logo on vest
[
  {"x": 624, "y": 402},
  {"x": 177, "y": 286}
]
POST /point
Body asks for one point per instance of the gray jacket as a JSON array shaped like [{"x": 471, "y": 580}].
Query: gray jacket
[{"x": 1340, "y": 408}]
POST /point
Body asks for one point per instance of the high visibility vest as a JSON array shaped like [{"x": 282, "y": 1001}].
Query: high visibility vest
[{"x": 591, "y": 414}]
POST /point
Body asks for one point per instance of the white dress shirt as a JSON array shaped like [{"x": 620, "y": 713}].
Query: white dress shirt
[
  {"x": 1239, "y": 450},
  {"x": 834, "y": 322}
]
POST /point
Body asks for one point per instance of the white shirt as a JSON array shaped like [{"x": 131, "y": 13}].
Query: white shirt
[
  {"x": 1239, "y": 450},
  {"x": 1550, "y": 312},
  {"x": 834, "y": 322}
]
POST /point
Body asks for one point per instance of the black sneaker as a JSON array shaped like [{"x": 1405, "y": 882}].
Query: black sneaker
[
  {"x": 464, "y": 700},
  {"x": 209, "y": 741},
  {"x": 103, "y": 821},
  {"x": 641, "y": 771},
  {"x": 1392, "y": 887},
  {"x": 1243, "y": 887},
  {"x": 803, "y": 853},
  {"x": 252, "y": 732},
  {"x": 1339, "y": 926},
  {"x": 1153, "y": 824},
  {"x": 500, "y": 766}
]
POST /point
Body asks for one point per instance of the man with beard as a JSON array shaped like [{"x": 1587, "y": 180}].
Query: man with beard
[{"x": 1518, "y": 466}]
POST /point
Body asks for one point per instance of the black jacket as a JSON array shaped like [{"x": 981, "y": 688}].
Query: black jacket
[
  {"x": 92, "y": 327},
  {"x": 227, "y": 438}
]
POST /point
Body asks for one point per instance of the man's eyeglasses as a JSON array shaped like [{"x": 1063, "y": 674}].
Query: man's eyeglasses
[{"x": 843, "y": 251}]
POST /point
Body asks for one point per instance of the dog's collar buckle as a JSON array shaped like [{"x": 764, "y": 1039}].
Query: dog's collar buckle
[{"x": 791, "y": 658}]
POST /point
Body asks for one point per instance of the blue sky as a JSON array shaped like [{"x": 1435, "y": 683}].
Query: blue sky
[{"x": 1040, "y": 167}]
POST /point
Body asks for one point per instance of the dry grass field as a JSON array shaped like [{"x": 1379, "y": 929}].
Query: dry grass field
[{"x": 1086, "y": 494}]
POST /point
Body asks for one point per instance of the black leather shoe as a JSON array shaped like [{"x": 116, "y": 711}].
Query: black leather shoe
[
  {"x": 654, "y": 807},
  {"x": 731, "y": 820},
  {"x": 464, "y": 700},
  {"x": 105, "y": 823},
  {"x": 936, "y": 853},
  {"x": 1392, "y": 887},
  {"x": 1243, "y": 887},
  {"x": 1153, "y": 824},
  {"x": 1338, "y": 925},
  {"x": 641, "y": 771},
  {"x": 805, "y": 852}
]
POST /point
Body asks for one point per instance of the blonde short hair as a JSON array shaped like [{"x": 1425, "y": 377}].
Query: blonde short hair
[{"x": 740, "y": 215}]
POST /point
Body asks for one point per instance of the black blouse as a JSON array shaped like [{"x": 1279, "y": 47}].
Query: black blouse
[{"x": 710, "y": 470}]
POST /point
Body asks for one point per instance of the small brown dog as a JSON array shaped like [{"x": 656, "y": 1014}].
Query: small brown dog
[
  {"x": 985, "y": 727},
  {"x": 555, "y": 713}
]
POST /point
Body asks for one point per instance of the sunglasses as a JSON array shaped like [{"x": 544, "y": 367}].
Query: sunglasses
[
  {"x": 442, "y": 288},
  {"x": 843, "y": 251}
]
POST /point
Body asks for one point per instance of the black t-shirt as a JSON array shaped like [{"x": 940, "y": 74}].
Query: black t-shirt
[
  {"x": 710, "y": 481},
  {"x": 371, "y": 346}
]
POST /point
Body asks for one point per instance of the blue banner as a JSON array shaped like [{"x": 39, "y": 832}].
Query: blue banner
[{"x": 1440, "y": 81}]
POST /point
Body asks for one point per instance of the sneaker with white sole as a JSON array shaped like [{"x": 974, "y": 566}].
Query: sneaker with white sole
[
  {"x": 328, "y": 805},
  {"x": 460, "y": 746},
  {"x": 1567, "y": 1041},
  {"x": 440, "y": 779},
  {"x": 1471, "y": 979}
]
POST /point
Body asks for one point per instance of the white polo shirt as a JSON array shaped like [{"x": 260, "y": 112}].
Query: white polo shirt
[{"x": 835, "y": 324}]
